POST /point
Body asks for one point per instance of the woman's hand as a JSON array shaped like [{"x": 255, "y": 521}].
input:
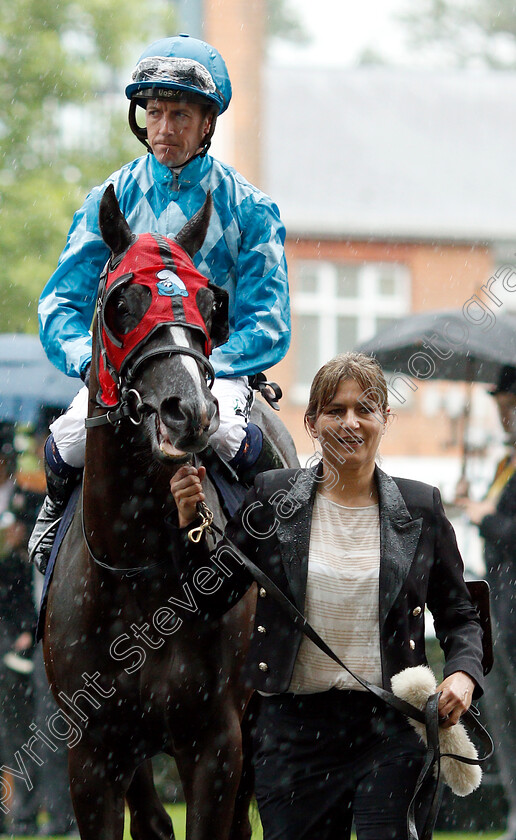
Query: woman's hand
[
  {"x": 457, "y": 693},
  {"x": 186, "y": 488}
]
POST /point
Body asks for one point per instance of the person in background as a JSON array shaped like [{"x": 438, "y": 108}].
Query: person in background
[
  {"x": 181, "y": 85},
  {"x": 495, "y": 518},
  {"x": 7, "y": 464},
  {"x": 25, "y": 696},
  {"x": 17, "y": 621},
  {"x": 51, "y": 782},
  {"x": 360, "y": 554}
]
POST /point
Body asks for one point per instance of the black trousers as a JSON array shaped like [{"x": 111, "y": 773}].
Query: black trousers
[{"x": 323, "y": 759}]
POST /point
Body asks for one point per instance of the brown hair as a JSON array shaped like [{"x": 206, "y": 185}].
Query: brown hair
[{"x": 363, "y": 369}]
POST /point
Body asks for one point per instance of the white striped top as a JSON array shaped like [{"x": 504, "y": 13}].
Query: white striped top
[{"x": 342, "y": 598}]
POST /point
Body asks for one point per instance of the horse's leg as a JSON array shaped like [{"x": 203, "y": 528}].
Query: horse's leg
[
  {"x": 210, "y": 770},
  {"x": 241, "y": 826},
  {"x": 98, "y": 794},
  {"x": 149, "y": 820}
]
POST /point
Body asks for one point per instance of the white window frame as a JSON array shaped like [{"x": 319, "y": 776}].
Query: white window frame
[{"x": 366, "y": 307}]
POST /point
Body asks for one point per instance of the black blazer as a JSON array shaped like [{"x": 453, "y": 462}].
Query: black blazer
[{"x": 419, "y": 564}]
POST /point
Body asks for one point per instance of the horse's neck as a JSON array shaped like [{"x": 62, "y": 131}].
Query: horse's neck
[{"x": 126, "y": 498}]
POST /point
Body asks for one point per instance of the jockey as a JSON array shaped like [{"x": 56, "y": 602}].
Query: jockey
[{"x": 182, "y": 85}]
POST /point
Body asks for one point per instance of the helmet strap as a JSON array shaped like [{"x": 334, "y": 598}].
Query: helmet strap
[
  {"x": 139, "y": 131},
  {"x": 209, "y": 134}
]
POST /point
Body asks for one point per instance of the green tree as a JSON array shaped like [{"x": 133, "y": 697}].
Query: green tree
[
  {"x": 465, "y": 32},
  {"x": 283, "y": 23},
  {"x": 58, "y": 61},
  {"x": 54, "y": 56}
]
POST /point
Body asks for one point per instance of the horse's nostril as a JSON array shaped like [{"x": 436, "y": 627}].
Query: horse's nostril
[
  {"x": 176, "y": 412},
  {"x": 171, "y": 412}
]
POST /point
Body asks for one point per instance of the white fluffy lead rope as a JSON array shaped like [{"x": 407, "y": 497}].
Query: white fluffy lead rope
[{"x": 415, "y": 685}]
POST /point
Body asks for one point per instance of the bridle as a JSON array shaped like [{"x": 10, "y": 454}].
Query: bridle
[
  {"x": 131, "y": 404},
  {"x": 128, "y": 402}
]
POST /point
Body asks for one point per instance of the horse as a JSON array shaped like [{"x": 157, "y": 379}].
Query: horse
[{"x": 133, "y": 667}]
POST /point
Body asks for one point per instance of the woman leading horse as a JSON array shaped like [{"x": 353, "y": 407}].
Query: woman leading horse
[{"x": 360, "y": 554}]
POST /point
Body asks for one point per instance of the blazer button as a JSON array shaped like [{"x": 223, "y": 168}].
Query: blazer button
[
  {"x": 261, "y": 629},
  {"x": 416, "y": 611},
  {"x": 263, "y": 666},
  {"x": 412, "y": 644},
  {"x": 262, "y": 592}
]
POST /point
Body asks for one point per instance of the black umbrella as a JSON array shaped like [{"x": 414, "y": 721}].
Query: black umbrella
[
  {"x": 29, "y": 381},
  {"x": 447, "y": 344}
]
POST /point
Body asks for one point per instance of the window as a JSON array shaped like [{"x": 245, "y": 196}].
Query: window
[{"x": 336, "y": 306}]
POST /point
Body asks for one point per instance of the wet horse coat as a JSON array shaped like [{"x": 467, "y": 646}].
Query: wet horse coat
[{"x": 134, "y": 667}]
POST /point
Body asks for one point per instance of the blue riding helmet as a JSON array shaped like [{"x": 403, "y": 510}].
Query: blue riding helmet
[{"x": 181, "y": 63}]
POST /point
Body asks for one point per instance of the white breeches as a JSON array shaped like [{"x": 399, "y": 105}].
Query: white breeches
[{"x": 234, "y": 396}]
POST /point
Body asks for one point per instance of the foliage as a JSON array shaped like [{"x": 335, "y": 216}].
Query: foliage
[
  {"x": 466, "y": 32},
  {"x": 54, "y": 56},
  {"x": 283, "y": 23},
  {"x": 57, "y": 62}
]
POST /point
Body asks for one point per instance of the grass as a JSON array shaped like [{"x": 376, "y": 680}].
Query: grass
[{"x": 178, "y": 815}]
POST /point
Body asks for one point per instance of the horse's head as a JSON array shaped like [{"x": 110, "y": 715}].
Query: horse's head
[{"x": 157, "y": 319}]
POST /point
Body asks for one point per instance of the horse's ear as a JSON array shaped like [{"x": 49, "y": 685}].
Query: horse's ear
[
  {"x": 213, "y": 306},
  {"x": 115, "y": 231},
  {"x": 192, "y": 235}
]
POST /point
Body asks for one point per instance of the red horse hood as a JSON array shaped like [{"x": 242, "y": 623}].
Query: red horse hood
[{"x": 162, "y": 266}]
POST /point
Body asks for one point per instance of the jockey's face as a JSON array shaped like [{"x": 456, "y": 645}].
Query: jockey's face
[{"x": 175, "y": 130}]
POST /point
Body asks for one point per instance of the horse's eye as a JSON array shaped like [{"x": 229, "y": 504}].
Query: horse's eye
[{"x": 126, "y": 308}]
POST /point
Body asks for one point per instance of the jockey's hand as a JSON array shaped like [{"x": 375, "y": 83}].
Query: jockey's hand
[
  {"x": 457, "y": 694},
  {"x": 186, "y": 488}
]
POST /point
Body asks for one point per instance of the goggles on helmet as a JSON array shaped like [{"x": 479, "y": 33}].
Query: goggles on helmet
[{"x": 176, "y": 73}]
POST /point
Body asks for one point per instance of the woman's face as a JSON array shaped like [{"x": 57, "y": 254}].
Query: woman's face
[{"x": 349, "y": 428}]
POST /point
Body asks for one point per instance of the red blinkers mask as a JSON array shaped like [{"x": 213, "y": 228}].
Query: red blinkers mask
[{"x": 162, "y": 266}]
